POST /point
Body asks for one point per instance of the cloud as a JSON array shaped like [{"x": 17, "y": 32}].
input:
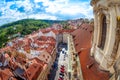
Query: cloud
[
  {"x": 21, "y": 9},
  {"x": 13, "y": 6},
  {"x": 8, "y": 0},
  {"x": 12, "y": 0},
  {"x": 45, "y": 9},
  {"x": 43, "y": 16},
  {"x": 28, "y": 6},
  {"x": 70, "y": 8},
  {"x": 0, "y": 13},
  {"x": 67, "y": 7}
]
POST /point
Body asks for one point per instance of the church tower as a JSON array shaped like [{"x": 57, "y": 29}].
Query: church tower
[{"x": 106, "y": 38}]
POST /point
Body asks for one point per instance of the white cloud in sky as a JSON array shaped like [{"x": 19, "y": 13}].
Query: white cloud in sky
[
  {"x": 26, "y": 4},
  {"x": 52, "y": 9},
  {"x": 43, "y": 16},
  {"x": 64, "y": 7},
  {"x": 9, "y": 13}
]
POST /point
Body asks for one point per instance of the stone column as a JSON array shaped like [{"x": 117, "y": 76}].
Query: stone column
[
  {"x": 117, "y": 69},
  {"x": 94, "y": 34},
  {"x": 112, "y": 34}
]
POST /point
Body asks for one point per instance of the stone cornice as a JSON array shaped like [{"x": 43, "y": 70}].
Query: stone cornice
[
  {"x": 100, "y": 8},
  {"x": 93, "y": 2},
  {"x": 113, "y": 3}
]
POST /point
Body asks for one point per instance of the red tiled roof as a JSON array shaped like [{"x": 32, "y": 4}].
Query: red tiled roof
[
  {"x": 55, "y": 31},
  {"x": 90, "y": 69},
  {"x": 33, "y": 71},
  {"x": 5, "y": 49},
  {"x": 26, "y": 47},
  {"x": 45, "y": 30},
  {"x": 6, "y": 74},
  {"x": 40, "y": 61},
  {"x": 93, "y": 72},
  {"x": 66, "y": 30},
  {"x": 49, "y": 49}
]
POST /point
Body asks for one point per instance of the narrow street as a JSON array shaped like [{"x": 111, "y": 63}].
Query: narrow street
[
  {"x": 61, "y": 73},
  {"x": 61, "y": 60}
]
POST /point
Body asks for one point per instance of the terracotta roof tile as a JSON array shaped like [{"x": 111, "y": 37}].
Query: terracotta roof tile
[
  {"x": 90, "y": 69},
  {"x": 25, "y": 43},
  {"x": 33, "y": 71},
  {"x": 5, "y": 74}
]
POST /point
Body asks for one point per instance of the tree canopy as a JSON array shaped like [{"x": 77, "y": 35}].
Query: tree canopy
[{"x": 22, "y": 27}]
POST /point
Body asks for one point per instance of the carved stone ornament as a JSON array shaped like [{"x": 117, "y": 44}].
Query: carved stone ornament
[
  {"x": 117, "y": 40},
  {"x": 93, "y": 2}
]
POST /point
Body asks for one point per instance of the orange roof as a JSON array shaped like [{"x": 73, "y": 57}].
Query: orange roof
[
  {"x": 49, "y": 49},
  {"x": 33, "y": 71},
  {"x": 55, "y": 31},
  {"x": 40, "y": 61},
  {"x": 5, "y": 49},
  {"x": 66, "y": 30},
  {"x": 82, "y": 37},
  {"x": 90, "y": 69},
  {"x": 45, "y": 30},
  {"x": 6, "y": 55},
  {"x": 35, "y": 68},
  {"x": 6, "y": 74}
]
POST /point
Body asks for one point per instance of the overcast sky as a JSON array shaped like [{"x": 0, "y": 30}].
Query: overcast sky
[{"x": 45, "y": 9}]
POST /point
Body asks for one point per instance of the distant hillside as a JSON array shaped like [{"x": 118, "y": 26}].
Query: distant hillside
[
  {"x": 30, "y": 21},
  {"x": 53, "y": 21},
  {"x": 21, "y": 28}
]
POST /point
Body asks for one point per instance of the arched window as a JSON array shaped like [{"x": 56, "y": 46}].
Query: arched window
[{"x": 103, "y": 32}]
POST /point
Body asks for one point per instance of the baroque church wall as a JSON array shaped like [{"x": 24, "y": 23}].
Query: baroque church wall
[{"x": 106, "y": 41}]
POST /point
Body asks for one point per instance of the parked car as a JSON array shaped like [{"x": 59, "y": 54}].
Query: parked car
[
  {"x": 62, "y": 71},
  {"x": 61, "y": 78},
  {"x": 63, "y": 52},
  {"x": 61, "y": 74},
  {"x": 62, "y": 66}
]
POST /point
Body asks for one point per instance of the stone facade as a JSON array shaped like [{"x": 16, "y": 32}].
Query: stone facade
[
  {"x": 65, "y": 35},
  {"x": 74, "y": 66},
  {"x": 106, "y": 38}
]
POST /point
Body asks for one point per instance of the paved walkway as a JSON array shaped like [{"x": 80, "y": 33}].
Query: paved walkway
[{"x": 63, "y": 60}]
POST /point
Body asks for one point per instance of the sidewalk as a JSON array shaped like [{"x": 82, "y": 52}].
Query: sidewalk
[{"x": 63, "y": 60}]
